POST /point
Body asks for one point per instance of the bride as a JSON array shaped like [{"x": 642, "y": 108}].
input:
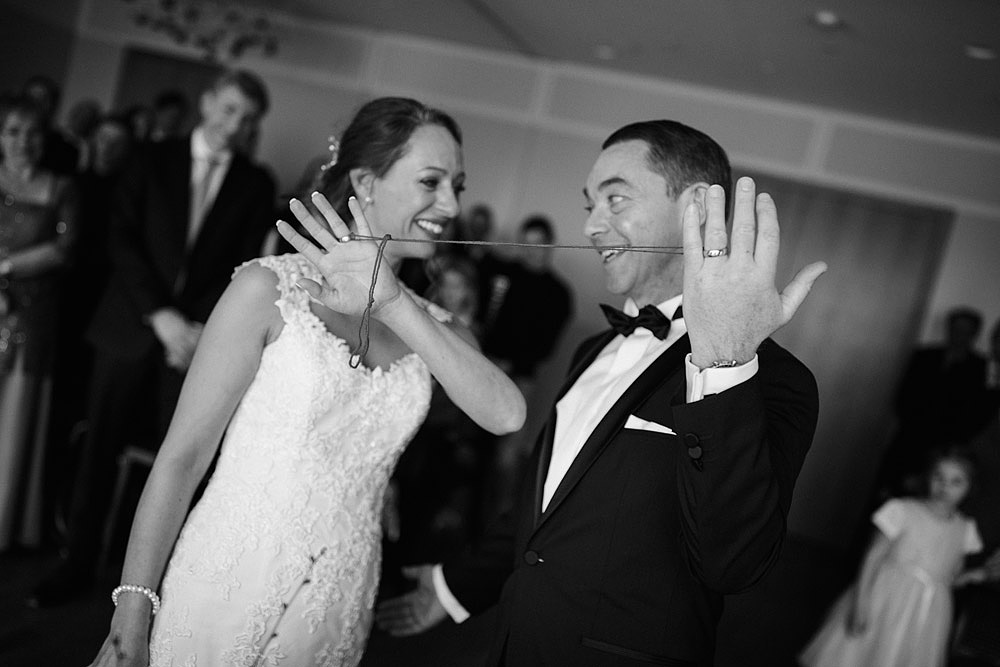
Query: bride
[{"x": 278, "y": 562}]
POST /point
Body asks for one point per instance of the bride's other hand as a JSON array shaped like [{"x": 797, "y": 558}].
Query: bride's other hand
[{"x": 347, "y": 265}]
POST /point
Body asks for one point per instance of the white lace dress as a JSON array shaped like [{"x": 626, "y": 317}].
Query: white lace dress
[{"x": 279, "y": 561}]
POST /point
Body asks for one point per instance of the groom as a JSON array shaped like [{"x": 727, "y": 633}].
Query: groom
[{"x": 664, "y": 474}]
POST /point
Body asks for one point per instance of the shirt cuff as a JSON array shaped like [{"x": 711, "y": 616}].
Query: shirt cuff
[
  {"x": 702, "y": 383},
  {"x": 444, "y": 596}
]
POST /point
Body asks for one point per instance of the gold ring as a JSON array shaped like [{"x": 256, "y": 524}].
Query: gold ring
[{"x": 716, "y": 252}]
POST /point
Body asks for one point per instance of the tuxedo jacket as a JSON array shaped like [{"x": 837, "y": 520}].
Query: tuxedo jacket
[
  {"x": 148, "y": 243},
  {"x": 647, "y": 531}
]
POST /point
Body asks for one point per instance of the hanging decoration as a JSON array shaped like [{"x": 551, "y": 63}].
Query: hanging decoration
[{"x": 220, "y": 29}]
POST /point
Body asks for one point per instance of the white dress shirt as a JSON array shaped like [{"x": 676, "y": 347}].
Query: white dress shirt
[
  {"x": 594, "y": 393},
  {"x": 203, "y": 160}
]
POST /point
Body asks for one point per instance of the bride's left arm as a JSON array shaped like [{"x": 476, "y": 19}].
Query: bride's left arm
[{"x": 471, "y": 381}]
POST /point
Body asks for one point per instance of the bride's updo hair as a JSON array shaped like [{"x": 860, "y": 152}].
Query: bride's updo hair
[{"x": 376, "y": 138}]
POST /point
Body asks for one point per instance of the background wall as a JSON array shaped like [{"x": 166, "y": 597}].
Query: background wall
[
  {"x": 35, "y": 38},
  {"x": 533, "y": 129}
]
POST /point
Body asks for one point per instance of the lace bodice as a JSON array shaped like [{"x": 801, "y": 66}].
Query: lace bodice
[{"x": 298, "y": 488}]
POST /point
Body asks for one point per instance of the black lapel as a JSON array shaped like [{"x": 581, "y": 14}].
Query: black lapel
[
  {"x": 658, "y": 372},
  {"x": 586, "y": 357},
  {"x": 171, "y": 169},
  {"x": 229, "y": 193}
]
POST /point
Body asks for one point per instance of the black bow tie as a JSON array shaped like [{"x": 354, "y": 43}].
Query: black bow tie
[{"x": 649, "y": 317}]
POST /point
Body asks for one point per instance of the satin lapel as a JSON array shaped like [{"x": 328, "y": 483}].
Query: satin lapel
[
  {"x": 603, "y": 433},
  {"x": 549, "y": 431}
]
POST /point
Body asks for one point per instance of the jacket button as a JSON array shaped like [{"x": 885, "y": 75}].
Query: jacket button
[
  {"x": 532, "y": 558},
  {"x": 693, "y": 443}
]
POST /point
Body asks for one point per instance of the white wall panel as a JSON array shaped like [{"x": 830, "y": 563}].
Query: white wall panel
[
  {"x": 960, "y": 169},
  {"x": 743, "y": 130}
]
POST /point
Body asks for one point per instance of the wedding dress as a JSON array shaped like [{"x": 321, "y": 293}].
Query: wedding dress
[{"x": 278, "y": 563}]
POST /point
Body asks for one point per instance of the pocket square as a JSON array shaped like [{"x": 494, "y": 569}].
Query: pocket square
[{"x": 637, "y": 424}]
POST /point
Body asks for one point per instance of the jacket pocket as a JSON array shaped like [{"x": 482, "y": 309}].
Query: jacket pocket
[{"x": 632, "y": 654}]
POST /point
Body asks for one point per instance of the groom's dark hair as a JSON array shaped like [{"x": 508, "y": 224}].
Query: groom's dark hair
[{"x": 681, "y": 154}]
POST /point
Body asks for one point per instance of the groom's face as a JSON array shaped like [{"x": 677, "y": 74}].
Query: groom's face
[{"x": 628, "y": 206}]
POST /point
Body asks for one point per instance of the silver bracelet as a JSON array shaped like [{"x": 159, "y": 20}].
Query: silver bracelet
[{"x": 132, "y": 588}]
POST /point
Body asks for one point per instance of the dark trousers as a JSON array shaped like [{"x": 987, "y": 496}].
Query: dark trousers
[{"x": 131, "y": 401}]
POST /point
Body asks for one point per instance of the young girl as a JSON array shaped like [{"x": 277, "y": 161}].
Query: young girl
[
  {"x": 456, "y": 289},
  {"x": 899, "y": 611}
]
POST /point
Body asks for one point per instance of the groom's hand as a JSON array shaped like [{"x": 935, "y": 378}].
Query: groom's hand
[
  {"x": 415, "y": 612},
  {"x": 731, "y": 303}
]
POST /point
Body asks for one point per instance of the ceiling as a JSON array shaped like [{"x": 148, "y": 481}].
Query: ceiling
[{"x": 898, "y": 59}]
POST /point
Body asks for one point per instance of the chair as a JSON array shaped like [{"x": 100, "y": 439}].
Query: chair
[
  {"x": 976, "y": 637},
  {"x": 132, "y": 456}
]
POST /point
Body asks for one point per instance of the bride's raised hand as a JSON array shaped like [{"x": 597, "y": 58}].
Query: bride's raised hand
[{"x": 345, "y": 263}]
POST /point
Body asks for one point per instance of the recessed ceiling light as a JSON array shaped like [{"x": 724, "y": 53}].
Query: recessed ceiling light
[
  {"x": 979, "y": 52},
  {"x": 604, "y": 52},
  {"x": 827, "y": 19}
]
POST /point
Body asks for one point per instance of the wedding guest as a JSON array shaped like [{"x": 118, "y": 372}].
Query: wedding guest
[
  {"x": 59, "y": 155},
  {"x": 526, "y": 288},
  {"x": 184, "y": 213},
  {"x": 140, "y": 120},
  {"x": 38, "y": 217},
  {"x": 81, "y": 287},
  {"x": 170, "y": 115},
  {"x": 937, "y": 401},
  {"x": 81, "y": 122},
  {"x": 898, "y": 613}
]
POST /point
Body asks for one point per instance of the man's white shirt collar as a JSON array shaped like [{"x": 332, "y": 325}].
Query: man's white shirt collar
[
  {"x": 200, "y": 150},
  {"x": 668, "y": 307}
]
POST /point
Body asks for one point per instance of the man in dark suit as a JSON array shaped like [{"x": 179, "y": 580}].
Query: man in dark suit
[
  {"x": 939, "y": 401},
  {"x": 59, "y": 154},
  {"x": 186, "y": 213},
  {"x": 522, "y": 288},
  {"x": 663, "y": 477}
]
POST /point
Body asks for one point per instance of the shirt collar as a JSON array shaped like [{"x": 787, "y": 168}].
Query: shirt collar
[
  {"x": 667, "y": 307},
  {"x": 200, "y": 149}
]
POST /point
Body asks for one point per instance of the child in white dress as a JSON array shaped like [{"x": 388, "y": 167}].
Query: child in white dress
[{"x": 898, "y": 613}]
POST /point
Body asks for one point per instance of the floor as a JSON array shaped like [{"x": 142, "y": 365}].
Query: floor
[{"x": 764, "y": 627}]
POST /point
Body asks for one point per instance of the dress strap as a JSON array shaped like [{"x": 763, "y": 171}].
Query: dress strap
[{"x": 293, "y": 301}]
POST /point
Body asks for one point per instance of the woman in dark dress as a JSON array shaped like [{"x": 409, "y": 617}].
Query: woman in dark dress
[{"x": 37, "y": 217}]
